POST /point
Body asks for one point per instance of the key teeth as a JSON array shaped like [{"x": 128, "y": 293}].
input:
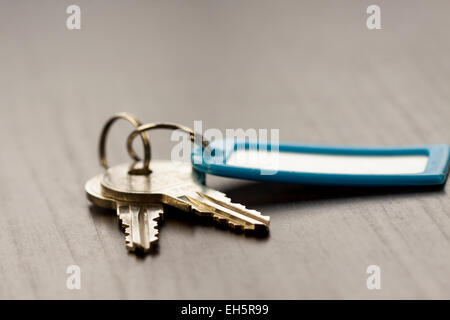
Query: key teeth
[
  {"x": 227, "y": 201},
  {"x": 211, "y": 207},
  {"x": 128, "y": 241},
  {"x": 153, "y": 225},
  {"x": 153, "y": 230},
  {"x": 231, "y": 224}
]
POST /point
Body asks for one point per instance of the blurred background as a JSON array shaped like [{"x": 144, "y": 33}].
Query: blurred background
[{"x": 309, "y": 68}]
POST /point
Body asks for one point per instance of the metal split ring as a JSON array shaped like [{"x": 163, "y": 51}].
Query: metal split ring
[
  {"x": 195, "y": 137},
  {"x": 145, "y": 170},
  {"x": 141, "y": 130}
]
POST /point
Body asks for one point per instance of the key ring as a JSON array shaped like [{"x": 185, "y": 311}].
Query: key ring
[
  {"x": 145, "y": 170},
  {"x": 171, "y": 126}
]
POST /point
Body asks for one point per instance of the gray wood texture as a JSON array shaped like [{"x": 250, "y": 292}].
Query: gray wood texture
[{"x": 309, "y": 68}]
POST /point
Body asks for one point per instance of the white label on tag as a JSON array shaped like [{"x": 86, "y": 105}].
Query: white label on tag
[{"x": 324, "y": 163}]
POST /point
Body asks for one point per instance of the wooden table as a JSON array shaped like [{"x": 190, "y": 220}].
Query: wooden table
[{"x": 311, "y": 69}]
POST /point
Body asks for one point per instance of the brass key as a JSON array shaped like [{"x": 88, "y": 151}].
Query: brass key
[
  {"x": 140, "y": 220},
  {"x": 177, "y": 184}
]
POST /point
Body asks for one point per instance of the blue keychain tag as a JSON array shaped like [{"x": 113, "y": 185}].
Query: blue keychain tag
[{"x": 325, "y": 165}]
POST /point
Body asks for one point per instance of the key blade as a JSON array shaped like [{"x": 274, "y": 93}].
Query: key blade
[
  {"x": 256, "y": 215},
  {"x": 141, "y": 225},
  {"x": 235, "y": 215}
]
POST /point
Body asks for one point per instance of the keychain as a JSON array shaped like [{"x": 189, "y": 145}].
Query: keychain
[{"x": 140, "y": 190}]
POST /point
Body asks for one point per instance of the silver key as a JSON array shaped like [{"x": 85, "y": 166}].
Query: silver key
[{"x": 178, "y": 185}]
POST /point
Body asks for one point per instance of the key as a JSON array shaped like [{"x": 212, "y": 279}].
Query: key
[
  {"x": 140, "y": 220},
  {"x": 176, "y": 184}
]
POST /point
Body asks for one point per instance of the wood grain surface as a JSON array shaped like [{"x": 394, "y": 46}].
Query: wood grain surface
[{"x": 309, "y": 68}]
